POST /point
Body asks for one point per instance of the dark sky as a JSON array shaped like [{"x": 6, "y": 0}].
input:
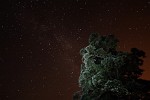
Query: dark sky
[{"x": 40, "y": 42}]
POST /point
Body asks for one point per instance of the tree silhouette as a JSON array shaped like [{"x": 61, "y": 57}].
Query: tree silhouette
[{"x": 109, "y": 74}]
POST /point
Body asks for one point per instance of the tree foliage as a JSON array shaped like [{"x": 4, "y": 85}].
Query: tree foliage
[{"x": 109, "y": 74}]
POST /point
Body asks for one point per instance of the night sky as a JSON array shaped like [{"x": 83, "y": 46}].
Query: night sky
[{"x": 40, "y": 42}]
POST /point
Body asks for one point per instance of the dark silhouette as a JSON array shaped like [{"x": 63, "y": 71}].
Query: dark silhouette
[{"x": 109, "y": 74}]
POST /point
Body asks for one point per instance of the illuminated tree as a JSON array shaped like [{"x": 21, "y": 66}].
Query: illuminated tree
[{"x": 109, "y": 74}]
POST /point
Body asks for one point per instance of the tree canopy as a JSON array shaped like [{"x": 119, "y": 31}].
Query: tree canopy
[{"x": 109, "y": 74}]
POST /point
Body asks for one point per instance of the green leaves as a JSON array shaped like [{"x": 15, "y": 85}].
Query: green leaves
[
  {"x": 108, "y": 43},
  {"x": 92, "y": 37},
  {"x": 106, "y": 70},
  {"x": 116, "y": 87}
]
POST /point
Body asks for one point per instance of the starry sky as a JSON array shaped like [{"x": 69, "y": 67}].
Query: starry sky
[{"x": 40, "y": 42}]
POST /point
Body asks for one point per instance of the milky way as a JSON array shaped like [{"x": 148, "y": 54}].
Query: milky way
[{"x": 40, "y": 42}]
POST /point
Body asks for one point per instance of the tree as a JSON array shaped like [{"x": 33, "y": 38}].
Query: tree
[{"x": 109, "y": 74}]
